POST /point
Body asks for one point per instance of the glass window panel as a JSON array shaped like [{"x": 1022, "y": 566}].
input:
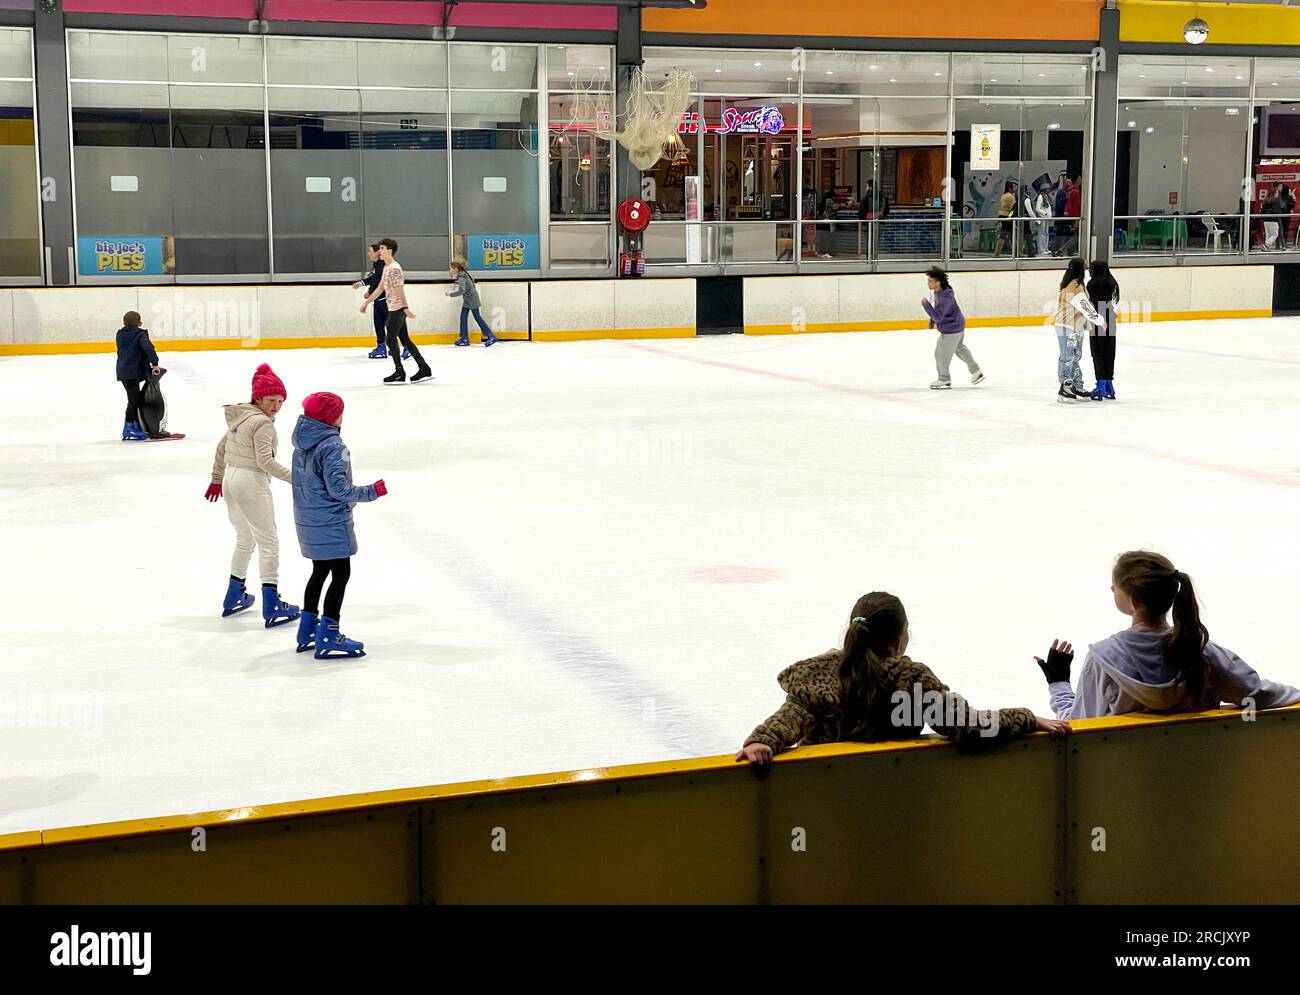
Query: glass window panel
[
  {"x": 402, "y": 63},
  {"x": 316, "y": 136},
  {"x": 494, "y": 67},
  {"x": 494, "y": 165},
  {"x": 20, "y": 251},
  {"x": 214, "y": 59},
  {"x": 312, "y": 61},
  {"x": 16, "y": 53},
  {"x": 1008, "y": 75},
  {"x": 1275, "y": 171},
  {"x": 727, "y": 72},
  {"x": 1277, "y": 79},
  {"x": 122, "y": 130},
  {"x": 1043, "y": 142},
  {"x": 1179, "y": 76},
  {"x": 590, "y": 66},
  {"x": 219, "y": 179},
  {"x": 404, "y": 170},
  {"x": 882, "y": 73},
  {"x": 111, "y": 55},
  {"x": 579, "y": 163}
]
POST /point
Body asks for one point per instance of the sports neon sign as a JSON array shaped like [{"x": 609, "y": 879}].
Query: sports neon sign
[{"x": 761, "y": 120}]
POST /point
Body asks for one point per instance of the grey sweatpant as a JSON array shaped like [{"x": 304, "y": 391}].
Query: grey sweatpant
[{"x": 949, "y": 346}]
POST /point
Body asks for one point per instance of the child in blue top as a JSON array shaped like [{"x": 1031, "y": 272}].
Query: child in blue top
[
  {"x": 947, "y": 317},
  {"x": 323, "y": 496}
]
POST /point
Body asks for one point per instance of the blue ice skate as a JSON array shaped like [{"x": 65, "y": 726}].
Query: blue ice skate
[
  {"x": 462, "y": 341},
  {"x": 378, "y": 352},
  {"x": 331, "y": 643},
  {"x": 236, "y": 598},
  {"x": 406, "y": 353},
  {"x": 307, "y": 624},
  {"x": 275, "y": 611},
  {"x": 490, "y": 340},
  {"x": 132, "y": 432}
]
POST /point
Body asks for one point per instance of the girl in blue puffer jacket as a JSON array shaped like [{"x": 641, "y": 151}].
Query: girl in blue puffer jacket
[{"x": 323, "y": 496}]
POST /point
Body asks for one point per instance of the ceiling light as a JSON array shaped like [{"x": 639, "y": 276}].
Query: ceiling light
[
  {"x": 717, "y": 70},
  {"x": 1241, "y": 77},
  {"x": 1054, "y": 125},
  {"x": 873, "y": 68},
  {"x": 1232, "y": 111},
  {"x": 1132, "y": 124},
  {"x": 1209, "y": 69},
  {"x": 892, "y": 80},
  {"x": 1151, "y": 131},
  {"x": 758, "y": 65},
  {"x": 830, "y": 72}
]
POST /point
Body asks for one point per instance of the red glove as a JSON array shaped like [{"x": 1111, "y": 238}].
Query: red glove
[
  {"x": 380, "y": 488},
  {"x": 214, "y": 492}
]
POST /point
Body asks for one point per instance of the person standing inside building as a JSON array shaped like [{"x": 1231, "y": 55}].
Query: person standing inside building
[
  {"x": 1058, "y": 213},
  {"x": 393, "y": 287},
  {"x": 1007, "y": 212},
  {"x": 1037, "y": 208},
  {"x": 1073, "y": 211}
]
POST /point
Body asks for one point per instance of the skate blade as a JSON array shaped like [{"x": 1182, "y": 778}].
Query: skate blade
[
  {"x": 271, "y": 623},
  {"x": 227, "y": 612},
  {"x": 305, "y": 647},
  {"x": 339, "y": 654}
]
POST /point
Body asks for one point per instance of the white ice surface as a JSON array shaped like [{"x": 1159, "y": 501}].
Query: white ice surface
[{"x": 602, "y": 553}]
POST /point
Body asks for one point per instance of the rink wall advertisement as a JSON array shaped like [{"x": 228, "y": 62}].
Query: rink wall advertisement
[
  {"x": 503, "y": 252},
  {"x": 128, "y": 256}
]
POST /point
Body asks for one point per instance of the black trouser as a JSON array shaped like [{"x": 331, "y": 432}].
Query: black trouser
[
  {"x": 132, "y": 388},
  {"x": 320, "y": 569},
  {"x": 1101, "y": 343},
  {"x": 397, "y": 334},
  {"x": 380, "y": 314}
]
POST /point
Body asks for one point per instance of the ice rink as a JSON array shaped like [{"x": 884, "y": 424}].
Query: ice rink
[{"x": 604, "y": 552}]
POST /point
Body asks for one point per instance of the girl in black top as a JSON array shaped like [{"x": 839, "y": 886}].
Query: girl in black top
[{"x": 1103, "y": 292}]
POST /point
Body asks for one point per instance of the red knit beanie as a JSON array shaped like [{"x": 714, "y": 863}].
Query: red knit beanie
[
  {"x": 267, "y": 384},
  {"x": 324, "y": 407}
]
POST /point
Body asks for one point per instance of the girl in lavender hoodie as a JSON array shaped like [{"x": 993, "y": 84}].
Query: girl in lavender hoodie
[
  {"x": 947, "y": 317},
  {"x": 1163, "y": 662}
]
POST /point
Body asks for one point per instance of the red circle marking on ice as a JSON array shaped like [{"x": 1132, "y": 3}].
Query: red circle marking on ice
[{"x": 733, "y": 574}]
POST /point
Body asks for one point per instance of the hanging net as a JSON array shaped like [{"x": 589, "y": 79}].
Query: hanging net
[{"x": 650, "y": 122}]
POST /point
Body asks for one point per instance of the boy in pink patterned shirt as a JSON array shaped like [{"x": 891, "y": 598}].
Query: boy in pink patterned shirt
[{"x": 393, "y": 288}]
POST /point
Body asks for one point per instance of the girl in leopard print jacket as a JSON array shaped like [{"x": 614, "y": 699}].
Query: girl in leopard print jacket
[{"x": 870, "y": 691}]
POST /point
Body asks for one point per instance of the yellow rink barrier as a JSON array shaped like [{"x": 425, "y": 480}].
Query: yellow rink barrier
[{"x": 1195, "y": 808}]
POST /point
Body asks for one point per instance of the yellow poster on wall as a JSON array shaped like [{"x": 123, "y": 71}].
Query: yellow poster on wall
[{"x": 985, "y": 146}]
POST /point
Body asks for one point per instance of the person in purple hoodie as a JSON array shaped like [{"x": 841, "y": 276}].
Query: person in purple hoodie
[
  {"x": 947, "y": 317},
  {"x": 1163, "y": 662}
]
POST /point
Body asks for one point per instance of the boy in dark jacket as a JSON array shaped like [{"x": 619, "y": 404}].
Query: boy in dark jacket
[
  {"x": 136, "y": 361},
  {"x": 947, "y": 317},
  {"x": 323, "y": 496},
  {"x": 372, "y": 280}
]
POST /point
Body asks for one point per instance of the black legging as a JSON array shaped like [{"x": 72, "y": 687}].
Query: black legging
[
  {"x": 132, "y": 388},
  {"x": 320, "y": 569},
  {"x": 380, "y": 313},
  {"x": 397, "y": 333},
  {"x": 1101, "y": 343}
]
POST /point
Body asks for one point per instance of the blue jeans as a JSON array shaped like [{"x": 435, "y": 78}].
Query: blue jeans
[
  {"x": 464, "y": 323},
  {"x": 1071, "y": 346}
]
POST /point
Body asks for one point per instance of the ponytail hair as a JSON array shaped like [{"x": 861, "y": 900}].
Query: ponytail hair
[
  {"x": 1155, "y": 586},
  {"x": 875, "y": 628},
  {"x": 936, "y": 273}
]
